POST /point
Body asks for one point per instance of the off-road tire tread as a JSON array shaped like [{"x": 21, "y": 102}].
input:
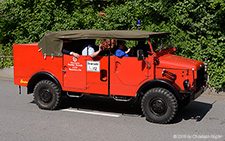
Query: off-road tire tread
[
  {"x": 168, "y": 94},
  {"x": 57, "y": 94}
]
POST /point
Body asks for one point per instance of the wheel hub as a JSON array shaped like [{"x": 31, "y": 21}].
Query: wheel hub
[
  {"x": 158, "y": 106},
  {"x": 45, "y": 95}
]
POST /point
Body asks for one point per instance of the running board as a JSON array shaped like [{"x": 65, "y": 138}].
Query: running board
[
  {"x": 122, "y": 98},
  {"x": 78, "y": 95}
]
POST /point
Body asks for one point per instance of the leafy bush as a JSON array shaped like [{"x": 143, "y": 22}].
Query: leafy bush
[
  {"x": 5, "y": 61},
  {"x": 196, "y": 25}
]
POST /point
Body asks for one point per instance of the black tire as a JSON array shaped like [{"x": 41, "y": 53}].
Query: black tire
[
  {"x": 159, "y": 105},
  {"x": 47, "y": 95}
]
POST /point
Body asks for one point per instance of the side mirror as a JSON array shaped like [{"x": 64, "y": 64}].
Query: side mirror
[{"x": 140, "y": 54}]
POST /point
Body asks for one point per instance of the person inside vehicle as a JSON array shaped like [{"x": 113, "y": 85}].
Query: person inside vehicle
[
  {"x": 107, "y": 46},
  {"x": 76, "y": 55},
  {"x": 133, "y": 52},
  {"x": 89, "y": 49},
  {"x": 120, "y": 52},
  {"x": 68, "y": 50}
]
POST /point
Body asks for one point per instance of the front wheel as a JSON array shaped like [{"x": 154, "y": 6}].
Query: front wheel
[
  {"x": 47, "y": 95},
  {"x": 159, "y": 105}
]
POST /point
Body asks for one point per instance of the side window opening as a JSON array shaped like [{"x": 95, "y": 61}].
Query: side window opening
[
  {"x": 73, "y": 46},
  {"x": 143, "y": 46},
  {"x": 108, "y": 46},
  {"x": 161, "y": 43}
]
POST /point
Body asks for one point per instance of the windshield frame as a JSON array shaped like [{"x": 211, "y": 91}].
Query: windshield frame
[{"x": 162, "y": 47}]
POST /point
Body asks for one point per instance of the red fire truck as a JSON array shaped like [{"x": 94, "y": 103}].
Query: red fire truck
[{"x": 162, "y": 80}]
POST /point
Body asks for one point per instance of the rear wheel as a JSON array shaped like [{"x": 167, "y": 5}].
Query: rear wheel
[
  {"x": 159, "y": 105},
  {"x": 47, "y": 95}
]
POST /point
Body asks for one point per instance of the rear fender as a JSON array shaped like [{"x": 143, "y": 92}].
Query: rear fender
[{"x": 41, "y": 76}]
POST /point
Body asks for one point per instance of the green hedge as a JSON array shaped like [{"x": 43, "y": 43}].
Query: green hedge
[{"x": 196, "y": 25}]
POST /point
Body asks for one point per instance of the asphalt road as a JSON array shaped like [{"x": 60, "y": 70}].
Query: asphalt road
[{"x": 92, "y": 119}]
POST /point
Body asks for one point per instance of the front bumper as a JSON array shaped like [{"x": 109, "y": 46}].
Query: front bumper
[
  {"x": 200, "y": 84},
  {"x": 196, "y": 94}
]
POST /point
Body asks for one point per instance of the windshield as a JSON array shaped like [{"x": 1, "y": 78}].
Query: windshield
[{"x": 160, "y": 43}]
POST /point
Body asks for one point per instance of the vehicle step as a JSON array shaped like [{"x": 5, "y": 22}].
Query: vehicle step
[
  {"x": 74, "y": 95},
  {"x": 122, "y": 98}
]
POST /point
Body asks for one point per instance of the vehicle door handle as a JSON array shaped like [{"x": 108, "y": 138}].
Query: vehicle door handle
[
  {"x": 103, "y": 75},
  {"x": 64, "y": 70}
]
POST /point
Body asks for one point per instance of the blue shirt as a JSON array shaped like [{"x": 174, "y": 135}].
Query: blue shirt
[{"x": 120, "y": 53}]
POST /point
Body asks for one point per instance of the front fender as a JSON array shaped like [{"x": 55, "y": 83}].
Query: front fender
[{"x": 159, "y": 83}]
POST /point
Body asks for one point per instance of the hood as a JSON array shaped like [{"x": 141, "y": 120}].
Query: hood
[{"x": 177, "y": 62}]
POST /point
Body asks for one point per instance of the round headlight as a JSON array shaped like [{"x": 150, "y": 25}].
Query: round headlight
[{"x": 186, "y": 84}]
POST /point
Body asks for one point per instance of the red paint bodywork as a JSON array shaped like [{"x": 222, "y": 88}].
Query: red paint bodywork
[
  {"x": 28, "y": 61},
  {"x": 117, "y": 76}
]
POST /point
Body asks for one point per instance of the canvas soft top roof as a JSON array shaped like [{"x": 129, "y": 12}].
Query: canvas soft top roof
[{"x": 52, "y": 42}]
